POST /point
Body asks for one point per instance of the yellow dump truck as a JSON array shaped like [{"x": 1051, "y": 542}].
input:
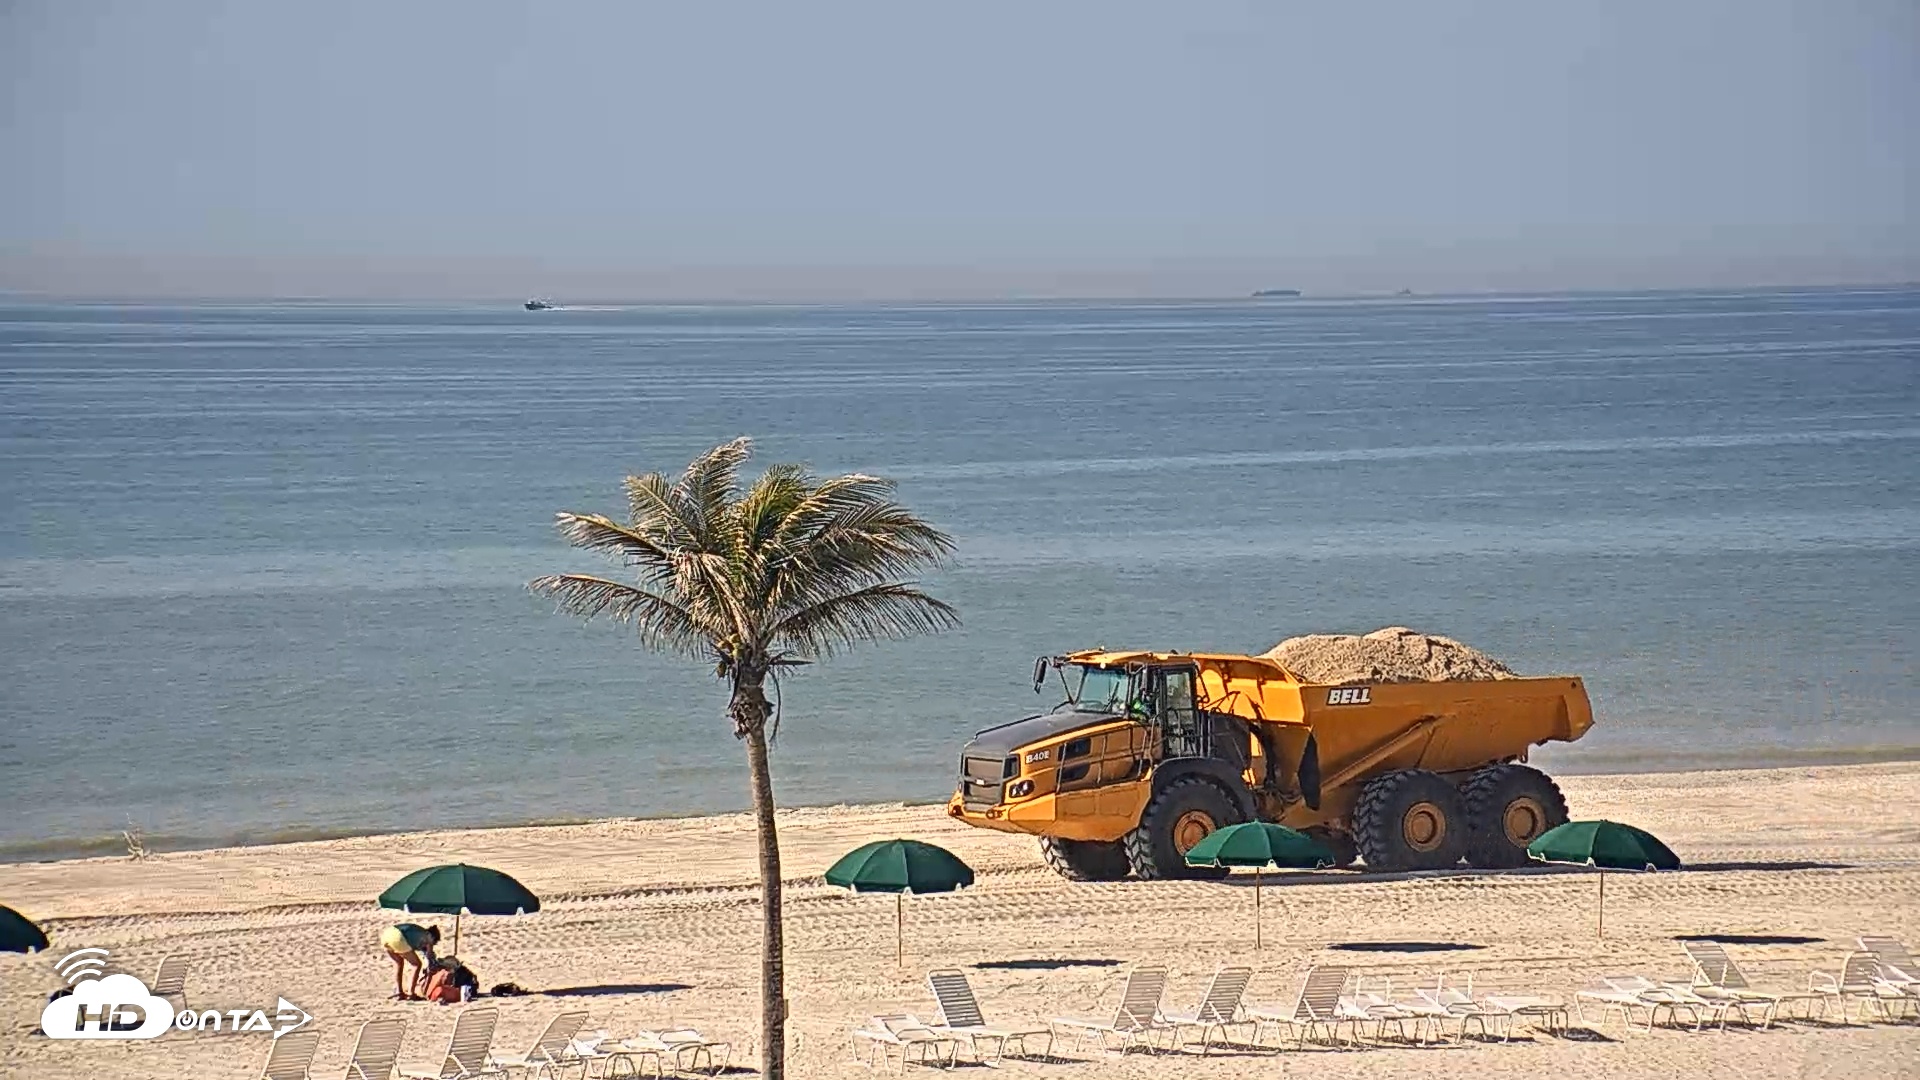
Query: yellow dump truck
[{"x": 1149, "y": 752}]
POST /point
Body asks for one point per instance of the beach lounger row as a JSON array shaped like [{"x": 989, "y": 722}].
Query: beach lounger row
[
  {"x": 1335, "y": 1005},
  {"x": 1331, "y": 1005},
  {"x": 560, "y": 1051},
  {"x": 1877, "y": 979}
]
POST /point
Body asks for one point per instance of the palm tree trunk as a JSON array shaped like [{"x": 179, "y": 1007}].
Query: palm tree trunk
[{"x": 773, "y": 999}]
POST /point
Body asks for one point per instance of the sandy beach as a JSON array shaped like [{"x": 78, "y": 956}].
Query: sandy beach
[{"x": 653, "y": 923}]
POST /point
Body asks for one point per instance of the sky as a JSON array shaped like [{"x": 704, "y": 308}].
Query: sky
[{"x": 830, "y": 150}]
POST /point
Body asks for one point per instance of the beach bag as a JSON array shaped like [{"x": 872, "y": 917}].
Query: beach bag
[{"x": 440, "y": 988}]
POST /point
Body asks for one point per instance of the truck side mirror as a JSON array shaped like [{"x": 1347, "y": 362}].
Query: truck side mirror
[{"x": 1039, "y": 673}]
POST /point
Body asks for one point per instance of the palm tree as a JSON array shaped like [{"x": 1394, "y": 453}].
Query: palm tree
[{"x": 792, "y": 569}]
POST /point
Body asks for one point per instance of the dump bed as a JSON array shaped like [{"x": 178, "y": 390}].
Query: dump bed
[{"x": 1378, "y": 727}]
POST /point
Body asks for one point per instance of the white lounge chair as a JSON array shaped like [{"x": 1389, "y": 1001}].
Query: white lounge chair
[
  {"x": 1315, "y": 1008},
  {"x": 1218, "y": 1010},
  {"x": 1717, "y": 977},
  {"x": 1857, "y": 980},
  {"x": 1897, "y": 968},
  {"x": 376, "y": 1048},
  {"x": 552, "y": 1054},
  {"x": 689, "y": 1050},
  {"x": 1625, "y": 993},
  {"x": 291, "y": 1057},
  {"x": 1377, "y": 1007},
  {"x": 1135, "y": 1022},
  {"x": 170, "y": 980},
  {"x": 467, "y": 1049},
  {"x": 905, "y": 1033},
  {"x": 961, "y": 1017}
]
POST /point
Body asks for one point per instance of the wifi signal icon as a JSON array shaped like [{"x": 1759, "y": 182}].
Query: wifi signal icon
[{"x": 82, "y": 964}]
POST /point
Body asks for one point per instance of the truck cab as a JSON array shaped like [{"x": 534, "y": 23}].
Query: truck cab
[{"x": 1082, "y": 774}]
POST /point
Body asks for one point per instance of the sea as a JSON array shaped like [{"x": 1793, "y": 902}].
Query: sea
[{"x": 263, "y": 566}]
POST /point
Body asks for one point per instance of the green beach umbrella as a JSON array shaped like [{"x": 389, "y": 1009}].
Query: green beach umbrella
[
  {"x": 1260, "y": 844},
  {"x": 900, "y": 867},
  {"x": 458, "y": 889},
  {"x": 18, "y": 933},
  {"x": 1603, "y": 845}
]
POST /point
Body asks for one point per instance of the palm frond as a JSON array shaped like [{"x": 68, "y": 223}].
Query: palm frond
[
  {"x": 860, "y": 544},
  {"x": 661, "y": 623},
  {"x": 654, "y": 508},
  {"x": 707, "y": 491},
  {"x": 629, "y": 546},
  {"x": 705, "y": 585},
  {"x": 887, "y": 611}
]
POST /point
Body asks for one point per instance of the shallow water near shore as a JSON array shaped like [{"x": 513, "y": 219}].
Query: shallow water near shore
[{"x": 261, "y": 566}]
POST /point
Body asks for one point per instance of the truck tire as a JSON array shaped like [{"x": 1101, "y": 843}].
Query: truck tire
[
  {"x": 1085, "y": 860},
  {"x": 1339, "y": 843},
  {"x": 1175, "y": 820},
  {"x": 1410, "y": 820},
  {"x": 1508, "y": 806}
]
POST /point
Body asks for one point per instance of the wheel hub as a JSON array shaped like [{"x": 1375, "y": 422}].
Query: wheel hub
[
  {"x": 1524, "y": 820},
  {"x": 1423, "y": 827},
  {"x": 1190, "y": 828}
]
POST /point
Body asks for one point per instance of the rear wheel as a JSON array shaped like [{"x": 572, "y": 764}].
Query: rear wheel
[
  {"x": 1409, "y": 820},
  {"x": 1085, "y": 860},
  {"x": 1178, "y": 818},
  {"x": 1508, "y": 807}
]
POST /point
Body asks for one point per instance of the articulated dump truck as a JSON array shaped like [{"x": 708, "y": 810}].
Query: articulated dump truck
[{"x": 1152, "y": 751}]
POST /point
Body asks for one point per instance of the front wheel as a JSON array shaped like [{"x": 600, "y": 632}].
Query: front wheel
[
  {"x": 1085, "y": 860},
  {"x": 1178, "y": 818}
]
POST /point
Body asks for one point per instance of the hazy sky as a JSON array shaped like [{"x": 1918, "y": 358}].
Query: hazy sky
[{"x": 607, "y": 150}]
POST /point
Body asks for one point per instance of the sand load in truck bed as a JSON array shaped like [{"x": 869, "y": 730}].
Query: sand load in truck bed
[{"x": 1394, "y": 654}]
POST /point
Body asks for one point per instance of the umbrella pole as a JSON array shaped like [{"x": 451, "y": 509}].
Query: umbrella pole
[
  {"x": 899, "y": 928},
  {"x": 1257, "y": 873},
  {"x": 1603, "y": 901},
  {"x": 456, "y": 933}
]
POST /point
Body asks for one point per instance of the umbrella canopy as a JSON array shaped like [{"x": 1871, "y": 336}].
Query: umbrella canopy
[
  {"x": 1260, "y": 844},
  {"x": 1608, "y": 845},
  {"x": 1604, "y": 845},
  {"x": 18, "y": 933},
  {"x": 900, "y": 866},
  {"x": 458, "y": 889}
]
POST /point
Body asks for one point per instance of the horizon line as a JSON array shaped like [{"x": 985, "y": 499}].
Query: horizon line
[{"x": 12, "y": 295}]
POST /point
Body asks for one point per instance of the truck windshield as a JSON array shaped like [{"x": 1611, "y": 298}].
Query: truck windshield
[{"x": 1100, "y": 690}]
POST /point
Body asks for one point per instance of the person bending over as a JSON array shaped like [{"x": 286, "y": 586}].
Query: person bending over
[{"x": 407, "y": 943}]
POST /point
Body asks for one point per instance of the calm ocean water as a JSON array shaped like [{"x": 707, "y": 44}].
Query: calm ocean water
[{"x": 261, "y": 566}]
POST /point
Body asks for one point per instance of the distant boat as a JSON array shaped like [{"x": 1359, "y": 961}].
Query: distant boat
[
  {"x": 1404, "y": 292},
  {"x": 539, "y": 305},
  {"x": 1277, "y": 292}
]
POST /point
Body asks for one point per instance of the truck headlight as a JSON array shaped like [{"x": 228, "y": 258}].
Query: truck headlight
[{"x": 1019, "y": 789}]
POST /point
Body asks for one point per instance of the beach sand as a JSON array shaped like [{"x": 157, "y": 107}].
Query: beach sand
[{"x": 655, "y": 924}]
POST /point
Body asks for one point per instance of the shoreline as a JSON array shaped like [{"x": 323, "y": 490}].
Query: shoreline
[
  {"x": 221, "y": 879},
  {"x": 112, "y": 848}
]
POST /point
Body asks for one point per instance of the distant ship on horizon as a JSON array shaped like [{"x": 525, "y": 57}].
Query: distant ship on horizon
[
  {"x": 539, "y": 305},
  {"x": 1277, "y": 292}
]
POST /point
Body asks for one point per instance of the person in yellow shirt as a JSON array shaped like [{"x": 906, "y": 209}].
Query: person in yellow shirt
[{"x": 406, "y": 943}]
